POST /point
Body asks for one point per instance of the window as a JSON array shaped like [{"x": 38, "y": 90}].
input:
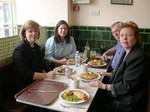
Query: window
[{"x": 8, "y": 25}]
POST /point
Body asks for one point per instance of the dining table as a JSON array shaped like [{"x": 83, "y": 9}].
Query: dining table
[{"x": 57, "y": 104}]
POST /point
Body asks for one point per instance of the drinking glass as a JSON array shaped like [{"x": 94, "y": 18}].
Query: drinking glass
[{"x": 93, "y": 54}]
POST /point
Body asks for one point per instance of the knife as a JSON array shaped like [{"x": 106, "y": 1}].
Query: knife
[
  {"x": 67, "y": 106},
  {"x": 82, "y": 57}
]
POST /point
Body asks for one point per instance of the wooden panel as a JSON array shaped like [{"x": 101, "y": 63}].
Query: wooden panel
[{"x": 149, "y": 99}]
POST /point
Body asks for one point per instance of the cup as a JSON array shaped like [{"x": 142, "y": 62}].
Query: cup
[
  {"x": 84, "y": 68},
  {"x": 93, "y": 54},
  {"x": 74, "y": 83}
]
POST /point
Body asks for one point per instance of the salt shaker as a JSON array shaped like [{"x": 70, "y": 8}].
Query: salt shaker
[{"x": 68, "y": 72}]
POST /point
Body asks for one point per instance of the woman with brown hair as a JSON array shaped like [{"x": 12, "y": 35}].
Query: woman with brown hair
[
  {"x": 127, "y": 88},
  {"x": 61, "y": 46}
]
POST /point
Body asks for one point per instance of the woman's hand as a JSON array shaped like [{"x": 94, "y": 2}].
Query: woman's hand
[
  {"x": 98, "y": 84},
  {"x": 102, "y": 73},
  {"x": 63, "y": 61},
  {"x": 51, "y": 74}
]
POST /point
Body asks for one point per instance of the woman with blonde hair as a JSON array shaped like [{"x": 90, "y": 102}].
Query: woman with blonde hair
[
  {"x": 28, "y": 62},
  {"x": 27, "y": 59}
]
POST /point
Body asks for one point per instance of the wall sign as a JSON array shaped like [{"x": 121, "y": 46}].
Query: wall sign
[{"x": 121, "y": 2}]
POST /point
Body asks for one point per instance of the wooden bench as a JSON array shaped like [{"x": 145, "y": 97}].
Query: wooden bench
[
  {"x": 149, "y": 99},
  {"x": 148, "y": 55},
  {"x": 7, "y": 100}
]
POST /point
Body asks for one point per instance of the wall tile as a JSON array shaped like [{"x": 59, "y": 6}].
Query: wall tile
[
  {"x": 105, "y": 36},
  {"x": 76, "y": 41},
  {"x": 142, "y": 30},
  {"x": 78, "y": 34},
  {"x": 91, "y": 28},
  {"x": 147, "y": 30},
  {"x": 96, "y": 35},
  {"x": 112, "y": 37},
  {"x": 98, "y": 44},
  {"x": 147, "y": 47},
  {"x": 108, "y": 29},
  {"x": 100, "y": 28},
  {"x": 50, "y": 28},
  {"x": 92, "y": 43},
  {"x": 75, "y": 27},
  {"x": 83, "y": 27},
  {"x": 50, "y": 33},
  {"x": 87, "y": 35},
  {"x": 110, "y": 44},
  {"x": 144, "y": 37},
  {"x": 82, "y": 43}
]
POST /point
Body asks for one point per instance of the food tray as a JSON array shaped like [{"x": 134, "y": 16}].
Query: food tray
[{"x": 41, "y": 92}]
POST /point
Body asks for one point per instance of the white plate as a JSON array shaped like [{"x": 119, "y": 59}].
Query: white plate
[
  {"x": 81, "y": 101},
  {"x": 64, "y": 73},
  {"x": 72, "y": 63},
  {"x": 91, "y": 79},
  {"x": 97, "y": 65}
]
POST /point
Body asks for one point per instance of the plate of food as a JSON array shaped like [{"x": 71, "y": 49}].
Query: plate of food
[
  {"x": 97, "y": 63},
  {"x": 74, "y": 96},
  {"x": 61, "y": 70},
  {"x": 89, "y": 76},
  {"x": 72, "y": 61}
]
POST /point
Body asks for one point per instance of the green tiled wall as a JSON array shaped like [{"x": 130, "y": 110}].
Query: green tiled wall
[
  {"x": 97, "y": 35},
  {"x": 7, "y": 46},
  {"x": 43, "y": 37}
]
